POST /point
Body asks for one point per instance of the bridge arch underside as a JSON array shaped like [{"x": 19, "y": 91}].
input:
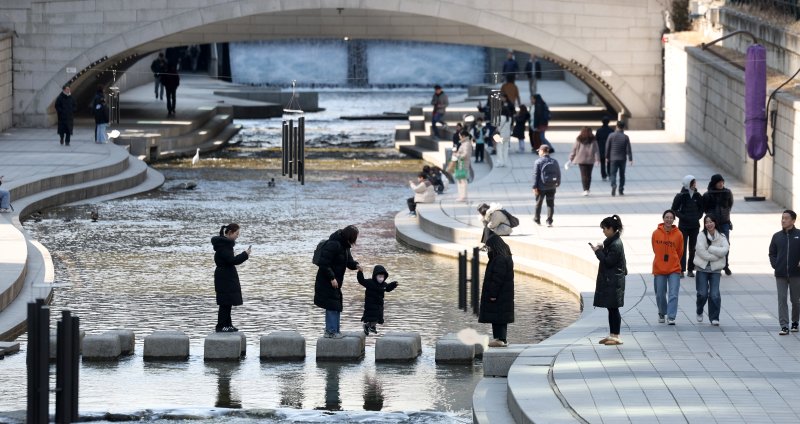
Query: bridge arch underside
[{"x": 617, "y": 90}]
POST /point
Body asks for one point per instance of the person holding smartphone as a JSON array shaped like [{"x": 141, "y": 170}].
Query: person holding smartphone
[
  {"x": 226, "y": 279},
  {"x": 609, "y": 291},
  {"x": 667, "y": 243}
]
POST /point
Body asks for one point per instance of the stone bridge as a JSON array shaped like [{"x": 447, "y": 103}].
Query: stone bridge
[{"x": 612, "y": 45}]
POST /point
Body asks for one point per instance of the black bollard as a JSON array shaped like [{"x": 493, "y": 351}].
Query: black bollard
[
  {"x": 476, "y": 269},
  {"x": 67, "y": 367},
  {"x": 462, "y": 280},
  {"x": 290, "y": 149},
  {"x": 284, "y": 144},
  {"x": 38, "y": 362},
  {"x": 301, "y": 150}
]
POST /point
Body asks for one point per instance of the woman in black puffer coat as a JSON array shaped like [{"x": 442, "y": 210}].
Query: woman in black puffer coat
[
  {"x": 334, "y": 259},
  {"x": 497, "y": 293},
  {"x": 609, "y": 291},
  {"x": 226, "y": 279}
]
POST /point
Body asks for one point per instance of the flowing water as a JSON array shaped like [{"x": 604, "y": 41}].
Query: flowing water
[{"x": 147, "y": 264}]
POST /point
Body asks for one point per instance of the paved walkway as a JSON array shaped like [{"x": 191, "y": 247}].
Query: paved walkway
[{"x": 741, "y": 371}]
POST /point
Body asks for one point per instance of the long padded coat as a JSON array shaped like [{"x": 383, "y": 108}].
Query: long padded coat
[
  {"x": 334, "y": 260},
  {"x": 373, "y": 295},
  {"x": 609, "y": 291},
  {"x": 226, "y": 279},
  {"x": 498, "y": 283}
]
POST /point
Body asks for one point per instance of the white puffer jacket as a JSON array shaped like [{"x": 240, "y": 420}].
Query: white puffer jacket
[
  {"x": 423, "y": 192},
  {"x": 713, "y": 255},
  {"x": 496, "y": 220}
]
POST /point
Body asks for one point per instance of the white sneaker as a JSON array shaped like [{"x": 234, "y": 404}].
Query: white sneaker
[
  {"x": 715, "y": 323},
  {"x": 660, "y": 320},
  {"x": 4, "y": 210},
  {"x": 670, "y": 322},
  {"x": 700, "y": 318},
  {"x": 585, "y": 192}
]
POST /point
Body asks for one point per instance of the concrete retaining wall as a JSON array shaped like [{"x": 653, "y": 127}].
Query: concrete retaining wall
[
  {"x": 6, "y": 80},
  {"x": 783, "y": 45}
]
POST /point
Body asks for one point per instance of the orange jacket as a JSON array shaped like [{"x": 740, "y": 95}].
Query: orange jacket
[{"x": 668, "y": 249}]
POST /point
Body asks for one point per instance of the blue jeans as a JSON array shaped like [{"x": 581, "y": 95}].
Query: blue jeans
[
  {"x": 616, "y": 165},
  {"x": 5, "y": 199},
  {"x": 707, "y": 284},
  {"x": 332, "y": 319},
  {"x": 436, "y": 117},
  {"x": 667, "y": 284}
]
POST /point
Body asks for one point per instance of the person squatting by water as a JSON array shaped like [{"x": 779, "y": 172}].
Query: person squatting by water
[
  {"x": 374, "y": 290},
  {"x": 667, "y": 242},
  {"x": 688, "y": 207},
  {"x": 495, "y": 221},
  {"x": 784, "y": 256},
  {"x": 609, "y": 291},
  {"x": 423, "y": 193},
  {"x": 334, "y": 260},
  {"x": 709, "y": 260},
  {"x": 497, "y": 292},
  {"x": 226, "y": 279}
]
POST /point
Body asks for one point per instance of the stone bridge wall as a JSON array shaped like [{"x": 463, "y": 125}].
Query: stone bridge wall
[{"x": 6, "y": 80}]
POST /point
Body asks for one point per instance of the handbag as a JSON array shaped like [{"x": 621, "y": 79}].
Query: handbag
[{"x": 461, "y": 170}]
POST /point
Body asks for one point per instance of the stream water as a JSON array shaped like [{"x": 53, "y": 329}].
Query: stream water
[{"x": 147, "y": 264}]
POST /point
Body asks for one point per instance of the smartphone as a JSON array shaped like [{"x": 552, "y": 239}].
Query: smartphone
[{"x": 591, "y": 245}]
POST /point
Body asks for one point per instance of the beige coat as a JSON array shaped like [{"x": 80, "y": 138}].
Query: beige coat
[
  {"x": 423, "y": 192},
  {"x": 585, "y": 153}
]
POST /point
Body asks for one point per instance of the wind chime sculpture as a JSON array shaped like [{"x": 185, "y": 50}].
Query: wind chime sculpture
[{"x": 293, "y": 141}]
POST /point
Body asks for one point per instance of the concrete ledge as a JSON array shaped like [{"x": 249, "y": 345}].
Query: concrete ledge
[
  {"x": 351, "y": 347},
  {"x": 396, "y": 348},
  {"x": 7, "y": 348},
  {"x": 489, "y": 402},
  {"x": 127, "y": 340},
  {"x": 223, "y": 346},
  {"x": 101, "y": 347},
  {"x": 497, "y": 361},
  {"x": 166, "y": 345},
  {"x": 283, "y": 345}
]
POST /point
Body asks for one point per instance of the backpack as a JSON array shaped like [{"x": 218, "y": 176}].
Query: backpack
[
  {"x": 550, "y": 173},
  {"x": 318, "y": 252},
  {"x": 513, "y": 221}
]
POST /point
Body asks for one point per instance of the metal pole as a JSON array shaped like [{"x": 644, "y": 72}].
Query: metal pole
[
  {"x": 462, "y": 280},
  {"x": 296, "y": 151},
  {"x": 289, "y": 153},
  {"x": 67, "y": 369},
  {"x": 475, "y": 280},
  {"x": 301, "y": 129},
  {"x": 284, "y": 137},
  {"x": 37, "y": 361}
]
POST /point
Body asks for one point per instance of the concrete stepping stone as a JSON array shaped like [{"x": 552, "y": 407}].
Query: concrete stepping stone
[
  {"x": 481, "y": 344},
  {"x": 101, "y": 347},
  {"x": 398, "y": 347},
  {"x": 54, "y": 343},
  {"x": 348, "y": 348},
  {"x": 454, "y": 352},
  {"x": 283, "y": 345},
  {"x": 127, "y": 340},
  {"x": 7, "y": 348},
  {"x": 170, "y": 344},
  {"x": 224, "y": 346},
  {"x": 411, "y": 334}
]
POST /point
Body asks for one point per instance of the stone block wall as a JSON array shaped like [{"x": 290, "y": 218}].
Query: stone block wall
[
  {"x": 783, "y": 45},
  {"x": 6, "y": 80}
]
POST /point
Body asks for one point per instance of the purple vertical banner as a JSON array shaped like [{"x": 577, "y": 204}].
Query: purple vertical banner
[{"x": 755, "y": 93}]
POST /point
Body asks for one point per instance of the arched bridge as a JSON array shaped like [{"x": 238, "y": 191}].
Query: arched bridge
[{"x": 615, "y": 47}]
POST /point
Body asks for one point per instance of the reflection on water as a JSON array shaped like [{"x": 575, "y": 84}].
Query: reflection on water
[{"x": 147, "y": 265}]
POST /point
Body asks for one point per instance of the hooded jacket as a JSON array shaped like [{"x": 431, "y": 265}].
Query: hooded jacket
[
  {"x": 498, "y": 284},
  {"x": 688, "y": 205},
  {"x": 712, "y": 255},
  {"x": 718, "y": 202},
  {"x": 226, "y": 279},
  {"x": 784, "y": 253},
  {"x": 668, "y": 249},
  {"x": 496, "y": 220},
  {"x": 609, "y": 289},
  {"x": 334, "y": 260},
  {"x": 373, "y": 295}
]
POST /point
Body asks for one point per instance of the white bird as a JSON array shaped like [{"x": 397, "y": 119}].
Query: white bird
[{"x": 196, "y": 157}]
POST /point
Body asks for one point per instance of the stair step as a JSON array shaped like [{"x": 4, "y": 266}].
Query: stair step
[{"x": 38, "y": 280}]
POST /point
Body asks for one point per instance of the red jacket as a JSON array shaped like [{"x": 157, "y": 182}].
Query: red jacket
[{"x": 668, "y": 249}]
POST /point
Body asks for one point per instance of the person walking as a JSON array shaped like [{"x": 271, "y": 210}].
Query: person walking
[
  {"x": 497, "y": 292},
  {"x": 65, "y": 109},
  {"x": 602, "y": 134},
  {"x": 510, "y": 90},
  {"x": 546, "y": 179},
  {"x": 158, "y": 66},
  {"x": 609, "y": 290},
  {"x": 688, "y": 207},
  {"x": 784, "y": 256},
  {"x": 463, "y": 165},
  {"x": 718, "y": 201},
  {"x": 171, "y": 80},
  {"x": 533, "y": 70},
  {"x": 541, "y": 120},
  {"x": 710, "y": 259},
  {"x": 585, "y": 153},
  {"x": 618, "y": 145},
  {"x": 440, "y": 102},
  {"x": 374, "y": 290},
  {"x": 510, "y": 67},
  {"x": 667, "y": 242},
  {"x": 520, "y": 120},
  {"x": 334, "y": 260},
  {"x": 5, "y": 198},
  {"x": 226, "y": 279},
  {"x": 423, "y": 193}
]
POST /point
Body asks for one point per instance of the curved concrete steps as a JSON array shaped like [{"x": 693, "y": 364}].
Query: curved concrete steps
[{"x": 39, "y": 277}]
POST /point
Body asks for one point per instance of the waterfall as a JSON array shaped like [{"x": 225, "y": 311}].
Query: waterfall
[{"x": 279, "y": 62}]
